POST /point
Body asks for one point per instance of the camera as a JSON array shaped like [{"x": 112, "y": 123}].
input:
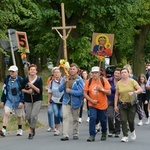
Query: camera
[{"x": 14, "y": 91}]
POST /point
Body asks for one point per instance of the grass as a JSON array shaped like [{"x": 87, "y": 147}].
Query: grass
[{"x": 12, "y": 124}]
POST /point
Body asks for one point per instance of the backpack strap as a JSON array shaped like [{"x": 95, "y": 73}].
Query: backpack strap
[{"x": 101, "y": 79}]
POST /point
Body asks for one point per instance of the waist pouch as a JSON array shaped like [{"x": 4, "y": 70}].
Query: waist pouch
[{"x": 126, "y": 105}]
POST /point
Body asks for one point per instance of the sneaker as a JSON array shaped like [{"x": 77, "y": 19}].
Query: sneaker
[
  {"x": 140, "y": 123},
  {"x": 75, "y": 137},
  {"x": 88, "y": 119},
  {"x": 50, "y": 129},
  {"x": 91, "y": 139},
  {"x": 57, "y": 133},
  {"x": 98, "y": 127},
  {"x": 80, "y": 120},
  {"x": 64, "y": 138},
  {"x": 133, "y": 135},
  {"x": 104, "y": 136},
  {"x": 3, "y": 132},
  {"x": 30, "y": 137},
  {"x": 19, "y": 132},
  {"x": 147, "y": 122},
  {"x": 124, "y": 139},
  {"x": 110, "y": 134},
  {"x": 117, "y": 135}
]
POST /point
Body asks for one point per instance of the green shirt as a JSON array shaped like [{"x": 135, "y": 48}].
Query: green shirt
[{"x": 124, "y": 89}]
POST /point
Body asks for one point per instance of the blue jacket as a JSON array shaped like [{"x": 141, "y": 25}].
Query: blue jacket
[
  {"x": 10, "y": 100},
  {"x": 76, "y": 92}
]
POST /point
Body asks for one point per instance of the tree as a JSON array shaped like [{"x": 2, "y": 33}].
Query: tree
[{"x": 127, "y": 19}]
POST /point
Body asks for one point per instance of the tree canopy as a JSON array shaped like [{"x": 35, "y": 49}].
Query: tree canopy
[{"x": 128, "y": 20}]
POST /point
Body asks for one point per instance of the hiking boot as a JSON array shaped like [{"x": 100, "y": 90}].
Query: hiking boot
[
  {"x": 103, "y": 137},
  {"x": 91, "y": 139}
]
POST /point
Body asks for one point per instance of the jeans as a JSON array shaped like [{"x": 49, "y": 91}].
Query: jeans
[
  {"x": 57, "y": 109},
  {"x": 114, "y": 127},
  {"x": 96, "y": 114},
  {"x": 50, "y": 113}
]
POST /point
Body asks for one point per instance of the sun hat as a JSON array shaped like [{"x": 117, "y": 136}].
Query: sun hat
[
  {"x": 95, "y": 69},
  {"x": 13, "y": 68}
]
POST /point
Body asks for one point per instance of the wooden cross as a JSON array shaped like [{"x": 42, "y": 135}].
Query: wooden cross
[{"x": 64, "y": 28}]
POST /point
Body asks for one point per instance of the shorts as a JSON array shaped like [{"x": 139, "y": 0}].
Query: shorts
[{"x": 17, "y": 112}]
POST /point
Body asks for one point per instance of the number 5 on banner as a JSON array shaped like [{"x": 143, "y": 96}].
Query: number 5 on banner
[{"x": 22, "y": 41}]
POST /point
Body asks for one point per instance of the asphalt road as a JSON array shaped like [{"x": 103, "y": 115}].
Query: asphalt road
[{"x": 44, "y": 140}]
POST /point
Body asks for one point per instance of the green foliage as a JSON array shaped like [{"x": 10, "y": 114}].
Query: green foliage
[{"x": 122, "y": 18}]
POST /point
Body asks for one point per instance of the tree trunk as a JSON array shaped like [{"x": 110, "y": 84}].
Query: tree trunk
[
  {"x": 2, "y": 67},
  {"x": 43, "y": 61},
  {"x": 139, "y": 53}
]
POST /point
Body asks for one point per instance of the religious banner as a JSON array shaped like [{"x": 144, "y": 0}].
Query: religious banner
[{"x": 102, "y": 44}]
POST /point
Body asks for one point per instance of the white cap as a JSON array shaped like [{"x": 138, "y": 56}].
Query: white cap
[
  {"x": 95, "y": 69},
  {"x": 55, "y": 68},
  {"x": 13, "y": 68}
]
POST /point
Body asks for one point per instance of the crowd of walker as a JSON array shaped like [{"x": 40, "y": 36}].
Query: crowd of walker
[{"x": 111, "y": 103}]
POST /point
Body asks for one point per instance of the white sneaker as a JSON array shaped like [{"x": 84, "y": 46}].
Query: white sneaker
[
  {"x": 148, "y": 121},
  {"x": 88, "y": 119},
  {"x": 133, "y": 135},
  {"x": 97, "y": 127},
  {"x": 140, "y": 123},
  {"x": 3, "y": 132},
  {"x": 80, "y": 120},
  {"x": 50, "y": 129},
  {"x": 124, "y": 139},
  {"x": 19, "y": 132},
  {"x": 57, "y": 133}
]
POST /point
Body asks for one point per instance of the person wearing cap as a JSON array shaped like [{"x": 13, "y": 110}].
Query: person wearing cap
[
  {"x": 12, "y": 99},
  {"x": 72, "y": 86},
  {"x": 95, "y": 93}
]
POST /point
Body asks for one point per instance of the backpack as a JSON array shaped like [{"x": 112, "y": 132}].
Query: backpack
[
  {"x": 101, "y": 78},
  {"x": 6, "y": 80},
  {"x": 90, "y": 80}
]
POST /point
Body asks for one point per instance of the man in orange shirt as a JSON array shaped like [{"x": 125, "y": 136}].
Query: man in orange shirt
[{"x": 95, "y": 91}]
